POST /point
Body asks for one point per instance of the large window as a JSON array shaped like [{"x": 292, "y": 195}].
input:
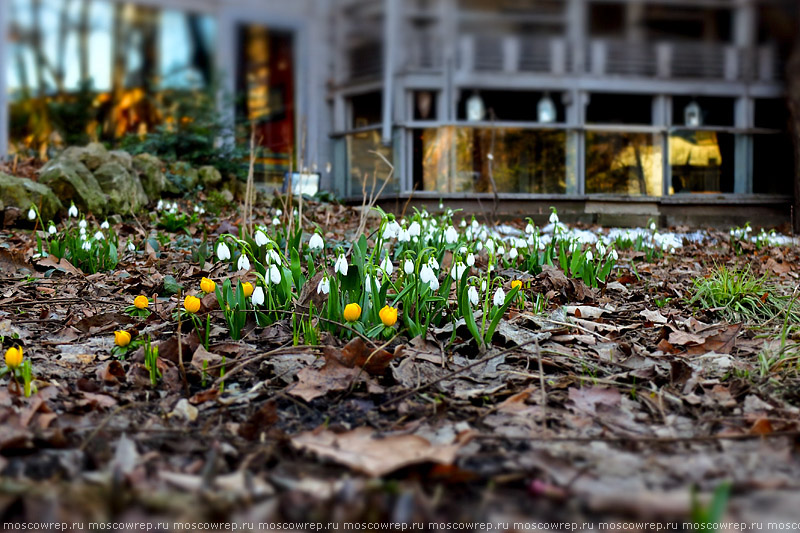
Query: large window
[
  {"x": 465, "y": 159},
  {"x": 365, "y": 168},
  {"x": 100, "y": 69},
  {"x": 624, "y": 163}
]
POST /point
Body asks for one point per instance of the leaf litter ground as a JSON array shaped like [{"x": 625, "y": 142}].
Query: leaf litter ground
[{"x": 612, "y": 403}]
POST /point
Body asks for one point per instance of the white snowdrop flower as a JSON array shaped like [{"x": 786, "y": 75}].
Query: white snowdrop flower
[
  {"x": 490, "y": 246},
  {"x": 478, "y": 246},
  {"x": 601, "y": 249},
  {"x": 324, "y": 286},
  {"x": 387, "y": 266},
  {"x": 31, "y": 214},
  {"x": 553, "y": 218},
  {"x": 672, "y": 250},
  {"x": 99, "y": 236},
  {"x": 474, "y": 224},
  {"x": 426, "y": 274},
  {"x": 501, "y": 250},
  {"x": 434, "y": 284},
  {"x": 392, "y": 230},
  {"x": 433, "y": 263},
  {"x": 408, "y": 266},
  {"x": 614, "y": 255},
  {"x": 499, "y": 297},
  {"x": 316, "y": 242},
  {"x": 463, "y": 223},
  {"x": 415, "y": 230},
  {"x": 341, "y": 265},
  {"x": 450, "y": 235},
  {"x": 82, "y": 224},
  {"x": 403, "y": 235},
  {"x": 276, "y": 221},
  {"x": 470, "y": 259},
  {"x": 458, "y": 270},
  {"x": 82, "y": 231},
  {"x": 294, "y": 212},
  {"x": 243, "y": 263},
  {"x": 278, "y": 212},
  {"x": 274, "y": 274},
  {"x": 196, "y": 209},
  {"x": 652, "y": 226},
  {"x": 223, "y": 252},
  {"x": 160, "y": 205},
  {"x": 258, "y": 296},
  {"x": 261, "y": 238},
  {"x": 589, "y": 255},
  {"x": 490, "y": 156},
  {"x": 83, "y": 236},
  {"x": 86, "y": 246},
  {"x": 104, "y": 225},
  {"x": 131, "y": 247},
  {"x": 483, "y": 285},
  {"x": 462, "y": 250},
  {"x": 512, "y": 253},
  {"x": 530, "y": 241},
  {"x": 73, "y": 211},
  {"x": 529, "y": 229},
  {"x": 368, "y": 283},
  {"x": 472, "y": 294},
  {"x": 52, "y": 230},
  {"x": 441, "y": 205}
]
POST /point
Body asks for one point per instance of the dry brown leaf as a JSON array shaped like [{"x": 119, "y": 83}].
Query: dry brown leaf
[{"x": 359, "y": 450}]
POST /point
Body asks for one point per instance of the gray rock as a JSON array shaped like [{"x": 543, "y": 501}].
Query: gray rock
[
  {"x": 181, "y": 178},
  {"x": 23, "y": 192},
  {"x": 71, "y": 181},
  {"x": 93, "y": 155},
  {"x": 209, "y": 176},
  {"x": 123, "y": 158},
  {"x": 151, "y": 174},
  {"x": 125, "y": 192}
]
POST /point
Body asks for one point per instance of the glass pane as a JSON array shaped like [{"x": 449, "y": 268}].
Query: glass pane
[
  {"x": 701, "y": 161},
  {"x": 267, "y": 83},
  {"x": 624, "y": 163},
  {"x": 99, "y": 70},
  {"x": 457, "y": 160},
  {"x": 773, "y": 164},
  {"x": 366, "y": 170}
]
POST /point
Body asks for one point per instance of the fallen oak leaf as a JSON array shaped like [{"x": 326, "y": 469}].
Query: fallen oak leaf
[
  {"x": 356, "y": 354},
  {"x": 375, "y": 457}
]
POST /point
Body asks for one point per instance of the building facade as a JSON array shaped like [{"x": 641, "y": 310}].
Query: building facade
[{"x": 640, "y": 107}]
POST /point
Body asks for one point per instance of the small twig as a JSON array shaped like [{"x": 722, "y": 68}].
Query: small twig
[{"x": 541, "y": 385}]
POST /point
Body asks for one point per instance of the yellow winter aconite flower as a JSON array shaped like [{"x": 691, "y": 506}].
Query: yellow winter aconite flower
[
  {"x": 388, "y": 315},
  {"x": 247, "y": 287},
  {"x": 140, "y": 302},
  {"x": 191, "y": 303},
  {"x": 122, "y": 338},
  {"x": 352, "y": 312},
  {"x": 13, "y": 357},
  {"x": 516, "y": 284},
  {"x": 207, "y": 285}
]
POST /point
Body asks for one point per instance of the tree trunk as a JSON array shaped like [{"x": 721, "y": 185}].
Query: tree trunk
[
  {"x": 83, "y": 43},
  {"x": 793, "y": 96}
]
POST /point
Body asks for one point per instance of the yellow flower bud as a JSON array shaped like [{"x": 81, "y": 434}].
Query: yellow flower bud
[
  {"x": 13, "y": 357},
  {"x": 140, "y": 302},
  {"x": 352, "y": 312},
  {"x": 516, "y": 284},
  {"x": 207, "y": 285},
  {"x": 247, "y": 288},
  {"x": 191, "y": 303},
  {"x": 122, "y": 338},
  {"x": 388, "y": 316}
]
